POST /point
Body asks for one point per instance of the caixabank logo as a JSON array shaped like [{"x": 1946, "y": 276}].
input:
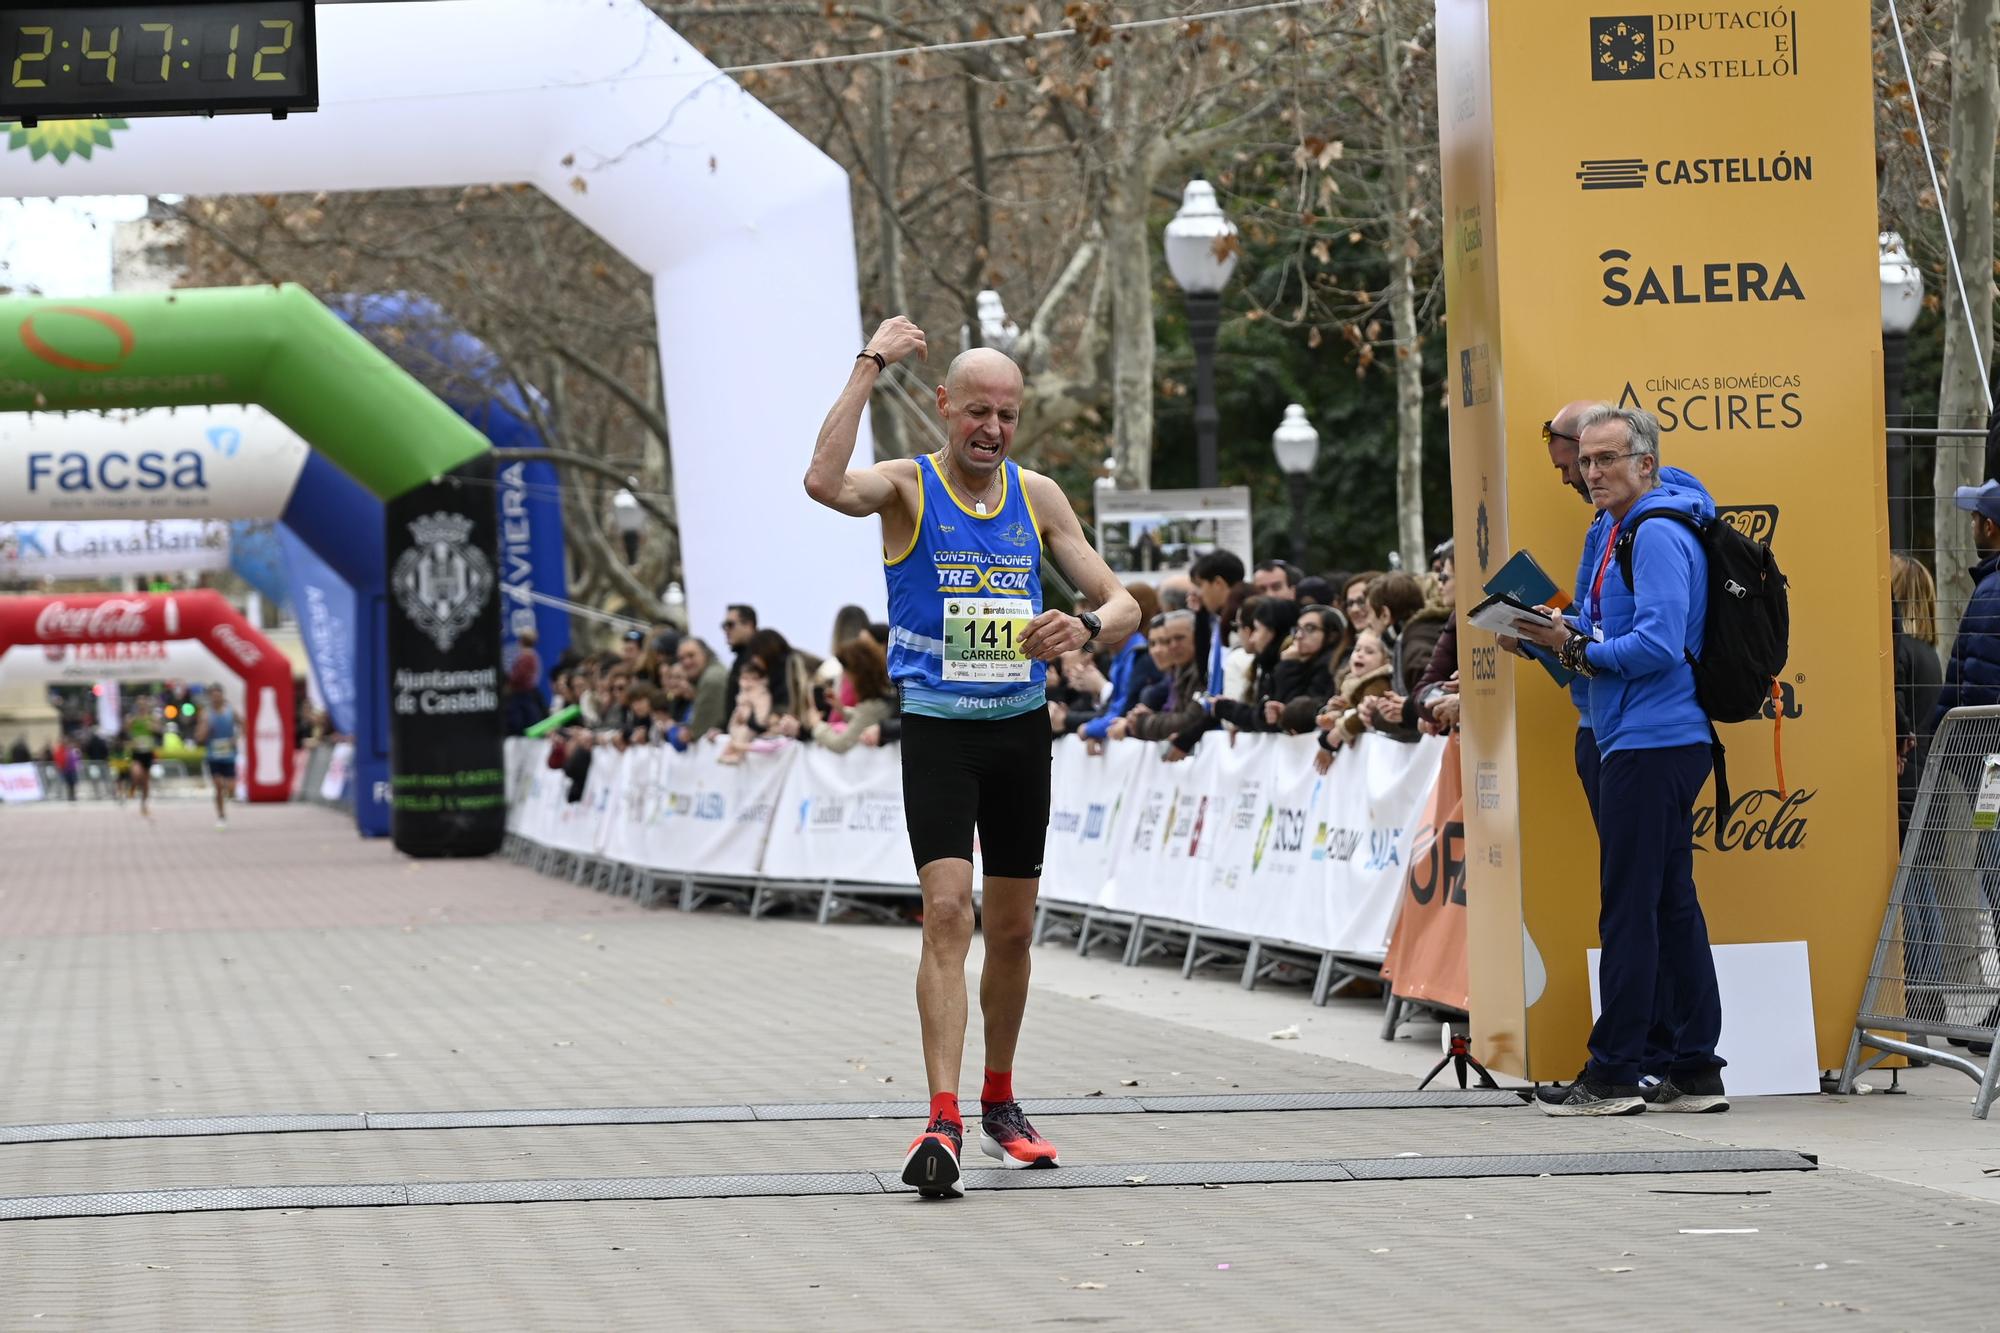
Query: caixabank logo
[{"x": 1695, "y": 45}]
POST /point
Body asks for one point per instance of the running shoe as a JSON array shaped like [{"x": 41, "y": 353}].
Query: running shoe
[
  {"x": 1588, "y": 1095},
  {"x": 932, "y": 1166},
  {"x": 1006, "y": 1135},
  {"x": 1691, "y": 1093}
]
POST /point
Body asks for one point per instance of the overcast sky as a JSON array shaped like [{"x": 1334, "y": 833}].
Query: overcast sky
[{"x": 61, "y": 247}]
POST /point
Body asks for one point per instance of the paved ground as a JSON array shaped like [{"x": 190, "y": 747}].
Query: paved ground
[{"x": 168, "y": 969}]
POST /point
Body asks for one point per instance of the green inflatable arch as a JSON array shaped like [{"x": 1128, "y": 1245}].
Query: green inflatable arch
[
  {"x": 279, "y": 348},
  {"x": 276, "y": 346}
]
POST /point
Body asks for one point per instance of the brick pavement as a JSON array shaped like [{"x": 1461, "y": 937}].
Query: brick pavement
[{"x": 286, "y": 966}]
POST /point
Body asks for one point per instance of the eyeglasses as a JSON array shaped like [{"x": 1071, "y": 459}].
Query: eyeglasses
[
  {"x": 1357, "y": 603},
  {"x": 1550, "y": 434},
  {"x": 1307, "y": 627},
  {"x": 728, "y": 625},
  {"x": 1601, "y": 462}
]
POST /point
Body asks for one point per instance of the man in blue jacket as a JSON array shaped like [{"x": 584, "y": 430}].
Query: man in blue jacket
[
  {"x": 1972, "y": 679},
  {"x": 1655, "y": 971}
]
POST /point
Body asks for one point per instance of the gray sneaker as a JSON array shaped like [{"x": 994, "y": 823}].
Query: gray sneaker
[{"x": 1688, "y": 1093}]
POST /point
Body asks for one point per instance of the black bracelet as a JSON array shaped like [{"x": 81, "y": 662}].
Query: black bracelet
[{"x": 876, "y": 357}]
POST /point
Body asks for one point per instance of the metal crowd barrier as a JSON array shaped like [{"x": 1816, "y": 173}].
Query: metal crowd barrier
[{"x": 1936, "y": 969}]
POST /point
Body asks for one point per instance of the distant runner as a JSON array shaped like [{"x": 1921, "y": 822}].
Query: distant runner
[
  {"x": 217, "y": 733},
  {"x": 963, "y": 535},
  {"x": 140, "y": 729}
]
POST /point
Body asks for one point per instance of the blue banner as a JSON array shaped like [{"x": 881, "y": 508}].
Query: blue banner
[
  {"x": 467, "y": 375},
  {"x": 325, "y": 607}
]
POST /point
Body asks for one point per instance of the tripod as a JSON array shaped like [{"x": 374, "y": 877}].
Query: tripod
[{"x": 1458, "y": 1055}]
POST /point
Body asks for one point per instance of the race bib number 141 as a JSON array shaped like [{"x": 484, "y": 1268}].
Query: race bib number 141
[{"x": 982, "y": 639}]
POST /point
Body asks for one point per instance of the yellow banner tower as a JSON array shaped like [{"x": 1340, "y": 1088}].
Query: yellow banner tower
[{"x": 1674, "y": 211}]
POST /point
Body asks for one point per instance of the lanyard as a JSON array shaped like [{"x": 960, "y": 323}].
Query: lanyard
[{"x": 1597, "y": 586}]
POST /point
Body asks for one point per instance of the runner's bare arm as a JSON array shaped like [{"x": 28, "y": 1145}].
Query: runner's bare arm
[
  {"x": 1056, "y": 632},
  {"x": 860, "y": 491}
]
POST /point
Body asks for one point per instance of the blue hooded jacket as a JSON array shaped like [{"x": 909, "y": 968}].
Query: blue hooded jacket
[
  {"x": 1973, "y": 675},
  {"x": 1642, "y": 697}
]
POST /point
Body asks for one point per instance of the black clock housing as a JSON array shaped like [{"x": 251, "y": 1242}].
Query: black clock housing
[{"x": 193, "y": 58}]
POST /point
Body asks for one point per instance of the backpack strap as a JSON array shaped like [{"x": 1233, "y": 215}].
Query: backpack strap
[{"x": 1624, "y": 547}]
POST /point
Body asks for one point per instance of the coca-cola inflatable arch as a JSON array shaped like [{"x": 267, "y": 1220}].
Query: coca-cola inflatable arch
[{"x": 265, "y": 730}]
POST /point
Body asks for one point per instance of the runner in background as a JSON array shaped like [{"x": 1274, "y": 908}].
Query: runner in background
[
  {"x": 964, "y": 532},
  {"x": 144, "y": 739},
  {"x": 217, "y": 734}
]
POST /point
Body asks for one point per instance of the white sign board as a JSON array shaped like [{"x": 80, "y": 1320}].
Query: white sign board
[
  {"x": 1767, "y": 1017},
  {"x": 20, "y": 783},
  {"x": 1152, "y": 534},
  {"x": 191, "y": 462},
  {"x": 104, "y": 548}
]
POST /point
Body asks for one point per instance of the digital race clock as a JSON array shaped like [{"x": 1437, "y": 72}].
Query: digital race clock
[{"x": 191, "y": 58}]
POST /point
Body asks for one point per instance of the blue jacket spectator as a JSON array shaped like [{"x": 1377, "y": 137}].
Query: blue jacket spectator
[
  {"x": 1972, "y": 677},
  {"x": 1642, "y": 697},
  {"x": 1132, "y": 671}
]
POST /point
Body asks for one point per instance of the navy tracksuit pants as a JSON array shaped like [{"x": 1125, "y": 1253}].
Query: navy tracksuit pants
[{"x": 1661, "y": 1010}]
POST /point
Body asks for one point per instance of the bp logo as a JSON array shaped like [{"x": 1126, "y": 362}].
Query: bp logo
[
  {"x": 442, "y": 582},
  {"x": 1621, "y": 47},
  {"x": 63, "y": 139}
]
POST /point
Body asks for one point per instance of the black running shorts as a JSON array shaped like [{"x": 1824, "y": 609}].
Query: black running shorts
[{"x": 959, "y": 773}]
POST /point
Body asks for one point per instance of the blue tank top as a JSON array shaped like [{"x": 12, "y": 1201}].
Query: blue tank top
[
  {"x": 221, "y": 734},
  {"x": 961, "y": 596}
]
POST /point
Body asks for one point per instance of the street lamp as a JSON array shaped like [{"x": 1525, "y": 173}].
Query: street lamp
[
  {"x": 1902, "y": 302},
  {"x": 995, "y": 329},
  {"x": 1201, "y": 253},
  {"x": 629, "y": 518},
  {"x": 1296, "y": 444}
]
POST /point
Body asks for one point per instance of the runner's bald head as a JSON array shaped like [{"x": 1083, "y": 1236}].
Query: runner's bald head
[{"x": 981, "y": 368}]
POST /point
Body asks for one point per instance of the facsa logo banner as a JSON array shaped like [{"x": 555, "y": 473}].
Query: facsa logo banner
[{"x": 192, "y": 463}]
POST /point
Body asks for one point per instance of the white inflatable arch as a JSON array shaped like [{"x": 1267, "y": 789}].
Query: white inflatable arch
[{"x": 743, "y": 224}]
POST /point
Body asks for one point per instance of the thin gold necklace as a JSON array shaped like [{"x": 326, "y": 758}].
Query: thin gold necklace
[{"x": 978, "y": 501}]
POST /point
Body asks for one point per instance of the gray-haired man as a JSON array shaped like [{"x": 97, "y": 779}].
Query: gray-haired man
[{"x": 1655, "y": 973}]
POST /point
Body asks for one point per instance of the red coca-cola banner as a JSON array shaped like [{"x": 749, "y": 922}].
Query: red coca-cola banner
[{"x": 264, "y": 747}]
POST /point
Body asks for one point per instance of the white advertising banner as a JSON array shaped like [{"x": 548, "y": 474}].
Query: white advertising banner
[
  {"x": 187, "y": 463},
  {"x": 1090, "y": 805},
  {"x": 101, "y": 548},
  {"x": 1372, "y": 810},
  {"x": 20, "y": 783},
  {"x": 1245, "y": 838},
  {"x": 840, "y": 817},
  {"x": 339, "y": 768},
  {"x": 1153, "y": 872},
  {"x": 89, "y": 663},
  {"x": 703, "y": 816}
]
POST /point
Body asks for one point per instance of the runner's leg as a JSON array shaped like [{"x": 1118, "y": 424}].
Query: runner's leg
[
  {"x": 1007, "y": 921},
  {"x": 941, "y": 1002}
]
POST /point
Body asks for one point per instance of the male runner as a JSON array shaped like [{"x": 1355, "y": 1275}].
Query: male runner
[
  {"x": 963, "y": 535},
  {"x": 141, "y": 768},
  {"x": 217, "y": 732}
]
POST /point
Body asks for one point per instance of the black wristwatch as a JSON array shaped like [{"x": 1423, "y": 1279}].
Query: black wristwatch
[{"x": 1091, "y": 623}]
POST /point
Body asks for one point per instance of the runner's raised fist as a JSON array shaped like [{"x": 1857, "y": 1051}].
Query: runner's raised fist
[{"x": 897, "y": 338}]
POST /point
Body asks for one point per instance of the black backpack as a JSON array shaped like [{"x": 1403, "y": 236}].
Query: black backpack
[{"x": 1745, "y": 637}]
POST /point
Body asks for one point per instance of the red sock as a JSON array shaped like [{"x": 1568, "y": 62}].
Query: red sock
[
  {"x": 999, "y": 1087},
  {"x": 946, "y": 1104}
]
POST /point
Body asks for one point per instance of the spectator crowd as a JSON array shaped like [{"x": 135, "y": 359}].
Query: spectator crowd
[{"x": 1221, "y": 650}]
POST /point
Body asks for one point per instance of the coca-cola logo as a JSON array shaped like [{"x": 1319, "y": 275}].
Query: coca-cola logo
[
  {"x": 118, "y": 618},
  {"x": 1759, "y": 820},
  {"x": 246, "y": 652}
]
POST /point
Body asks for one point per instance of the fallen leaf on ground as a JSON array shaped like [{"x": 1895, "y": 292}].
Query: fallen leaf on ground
[{"x": 1088, "y": 1286}]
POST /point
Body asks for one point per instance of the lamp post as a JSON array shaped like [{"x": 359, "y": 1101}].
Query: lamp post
[
  {"x": 995, "y": 329},
  {"x": 1296, "y": 444},
  {"x": 1902, "y": 302},
  {"x": 1201, "y": 256},
  {"x": 630, "y": 519}
]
